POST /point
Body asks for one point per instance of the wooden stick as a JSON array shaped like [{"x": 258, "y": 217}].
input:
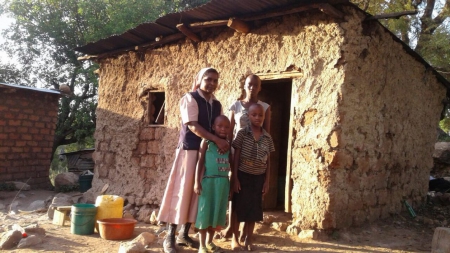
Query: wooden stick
[
  {"x": 238, "y": 25},
  {"x": 392, "y": 15},
  {"x": 186, "y": 31},
  {"x": 209, "y": 24}
]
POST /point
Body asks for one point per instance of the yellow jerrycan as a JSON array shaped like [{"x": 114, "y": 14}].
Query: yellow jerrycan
[{"x": 108, "y": 206}]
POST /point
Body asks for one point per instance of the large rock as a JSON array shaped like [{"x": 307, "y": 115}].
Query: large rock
[
  {"x": 37, "y": 205},
  {"x": 138, "y": 244},
  {"x": 144, "y": 213},
  {"x": 442, "y": 152},
  {"x": 59, "y": 200},
  {"x": 66, "y": 179},
  {"x": 20, "y": 185}
]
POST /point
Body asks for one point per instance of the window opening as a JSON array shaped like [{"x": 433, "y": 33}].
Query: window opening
[{"x": 156, "y": 103}]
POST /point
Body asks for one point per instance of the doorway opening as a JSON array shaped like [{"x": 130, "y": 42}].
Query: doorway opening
[{"x": 277, "y": 93}]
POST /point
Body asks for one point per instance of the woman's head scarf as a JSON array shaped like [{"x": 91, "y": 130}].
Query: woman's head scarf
[{"x": 198, "y": 78}]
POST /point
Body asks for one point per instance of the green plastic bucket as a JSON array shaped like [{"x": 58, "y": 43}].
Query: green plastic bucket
[
  {"x": 83, "y": 219},
  {"x": 85, "y": 182}
]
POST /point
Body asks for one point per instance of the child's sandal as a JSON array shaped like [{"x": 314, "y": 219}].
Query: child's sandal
[
  {"x": 203, "y": 250},
  {"x": 212, "y": 248}
]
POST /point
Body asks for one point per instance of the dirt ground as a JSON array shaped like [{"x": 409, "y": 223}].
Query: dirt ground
[{"x": 399, "y": 233}]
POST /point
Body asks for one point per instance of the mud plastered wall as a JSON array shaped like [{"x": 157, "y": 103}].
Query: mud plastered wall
[
  {"x": 388, "y": 110},
  {"x": 135, "y": 159}
]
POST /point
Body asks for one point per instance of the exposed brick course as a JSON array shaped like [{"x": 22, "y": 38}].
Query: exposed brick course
[{"x": 28, "y": 123}]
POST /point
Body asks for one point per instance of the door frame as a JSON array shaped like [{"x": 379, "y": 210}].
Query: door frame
[{"x": 288, "y": 187}]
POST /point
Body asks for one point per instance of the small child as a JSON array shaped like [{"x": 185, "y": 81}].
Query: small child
[
  {"x": 213, "y": 187},
  {"x": 251, "y": 170}
]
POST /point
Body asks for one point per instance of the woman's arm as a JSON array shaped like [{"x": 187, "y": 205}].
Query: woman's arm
[
  {"x": 200, "y": 168},
  {"x": 198, "y": 130},
  {"x": 232, "y": 125}
]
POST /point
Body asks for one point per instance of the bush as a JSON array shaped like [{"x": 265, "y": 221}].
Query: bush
[{"x": 7, "y": 186}]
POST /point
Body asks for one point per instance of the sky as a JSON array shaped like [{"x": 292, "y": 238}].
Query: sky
[{"x": 5, "y": 22}]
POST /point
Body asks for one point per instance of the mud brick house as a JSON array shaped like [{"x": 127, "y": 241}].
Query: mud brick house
[
  {"x": 354, "y": 109},
  {"x": 27, "y": 127}
]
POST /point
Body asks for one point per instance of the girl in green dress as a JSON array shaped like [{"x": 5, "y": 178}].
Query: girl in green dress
[{"x": 212, "y": 184}]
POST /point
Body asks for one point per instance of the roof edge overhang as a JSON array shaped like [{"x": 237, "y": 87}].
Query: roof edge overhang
[
  {"x": 171, "y": 27},
  {"x": 21, "y": 87},
  {"x": 166, "y": 29}
]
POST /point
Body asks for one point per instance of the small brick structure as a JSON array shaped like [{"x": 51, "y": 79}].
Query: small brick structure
[{"x": 27, "y": 127}]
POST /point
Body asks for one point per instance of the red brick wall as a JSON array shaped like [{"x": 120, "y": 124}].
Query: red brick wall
[{"x": 27, "y": 126}]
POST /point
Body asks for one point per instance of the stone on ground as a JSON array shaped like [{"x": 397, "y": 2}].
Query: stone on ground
[
  {"x": 29, "y": 241},
  {"x": 441, "y": 240},
  {"x": 10, "y": 239},
  {"x": 139, "y": 243}
]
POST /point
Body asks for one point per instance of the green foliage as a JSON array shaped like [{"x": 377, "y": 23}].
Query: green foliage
[
  {"x": 7, "y": 186},
  {"x": 428, "y": 32},
  {"x": 67, "y": 188}
]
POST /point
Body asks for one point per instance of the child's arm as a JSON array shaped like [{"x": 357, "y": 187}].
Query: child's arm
[
  {"x": 230, "y": 176},
  {"x": 200, "y": 168},
  {"x": 236, "y": 183},
  {"x": 266, "y": 180}
]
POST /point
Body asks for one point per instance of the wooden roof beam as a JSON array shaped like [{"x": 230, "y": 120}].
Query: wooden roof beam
[
  {"x": 324, "y": 7},
  {"x": 186, "y": 31},
  {"x": 330, "y": 10},
  {"x": 208, "y": 24},
  {"x": 238, "y": 25}
]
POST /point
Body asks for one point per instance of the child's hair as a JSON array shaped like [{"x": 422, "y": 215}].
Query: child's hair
[
  {"x": 256, "y": 105},
  {"x": 253, "y": 76},
  {"x": 221, "y": 117}
]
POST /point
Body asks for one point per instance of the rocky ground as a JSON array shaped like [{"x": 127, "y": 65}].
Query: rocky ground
[{"x": 399, "y": 233}]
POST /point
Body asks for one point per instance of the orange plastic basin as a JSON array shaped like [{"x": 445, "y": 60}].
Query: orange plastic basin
[{"x": 116, "y": 228}]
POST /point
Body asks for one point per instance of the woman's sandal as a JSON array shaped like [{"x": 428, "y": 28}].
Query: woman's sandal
[
  {"x": 212, "y": 248},
  {"x": 203, "y": 250}
]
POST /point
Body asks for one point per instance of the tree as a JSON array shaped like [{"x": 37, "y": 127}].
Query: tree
[{"x": 42, "y": 40}]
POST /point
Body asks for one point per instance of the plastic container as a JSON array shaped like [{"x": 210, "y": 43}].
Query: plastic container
[
  {"x": 116, "y": 228},
  {"x": 108, "y": 206},
  {"x": 83, "y": 219},
  {"x": 85, "y": 182}
]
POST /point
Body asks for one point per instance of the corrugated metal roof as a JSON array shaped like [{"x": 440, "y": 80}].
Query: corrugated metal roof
[
  {"x": 16, "y": 86},
  {"x": 166, "y": 25}
]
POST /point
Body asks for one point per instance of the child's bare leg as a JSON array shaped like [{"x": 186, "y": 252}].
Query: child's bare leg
[
  {"x": 227, "y": 232},
  {"x": 210, "y": 236},
  {"x": 243, "y": 233},
  {"x": 202, "y": 238},
  {"x": 235, "y": 245},
  {"x": 248, "y": 228}
]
